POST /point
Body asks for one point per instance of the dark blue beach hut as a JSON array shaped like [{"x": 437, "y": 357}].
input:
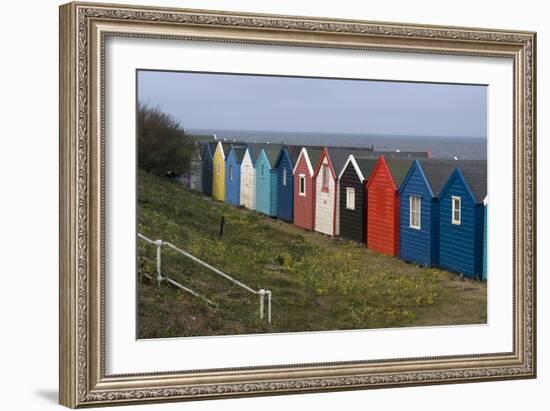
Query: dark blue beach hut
[
  {"x": 233, "y": 175},
  {"x": 284, "y": 166},
  {"x": 419, "y": 205},
  {"x": 462, "y": 220},
  {"x": 207, "y": 167}
]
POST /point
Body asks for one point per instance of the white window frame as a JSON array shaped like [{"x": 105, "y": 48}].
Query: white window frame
[
  {"x": 301, "y": 177},
  {"x": 453, "y": 210},
  {"x": 412, "y": 212},
  {"x": 230, "y": 172},
  {"x": 350, "y": 198},
  {"x": 284, "y": 176}
]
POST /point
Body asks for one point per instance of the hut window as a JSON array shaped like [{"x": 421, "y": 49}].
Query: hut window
[
  {"x": 302, "y": 191},
  {"x": 414, "y": 212},
  {"x": 350, "y": 198},
  {"x": 325, "y": 177},
  {"x": 262, "y": 170},
  {"x": 284, "y": 176},
  {"x": 231, "y": 173},
  {"x": 456, "y": 210},
  {"x": 218, "y": 170}
]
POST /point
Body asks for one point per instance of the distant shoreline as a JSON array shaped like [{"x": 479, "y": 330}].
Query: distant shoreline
[{"x": 474, "y": 148}]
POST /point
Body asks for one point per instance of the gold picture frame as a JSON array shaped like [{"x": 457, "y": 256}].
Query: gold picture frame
[{"x": 84, "y": 27}]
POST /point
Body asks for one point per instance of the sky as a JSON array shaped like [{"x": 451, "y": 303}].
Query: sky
[{"x": 316, "y": 105}]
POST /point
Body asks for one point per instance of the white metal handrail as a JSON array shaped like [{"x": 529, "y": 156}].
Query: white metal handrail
[{"x": 159, "y": 243}]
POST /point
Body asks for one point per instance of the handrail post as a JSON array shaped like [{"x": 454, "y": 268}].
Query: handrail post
[
  {"x": 268, "y": 306},
  {"x": 262, "y": 295},
  {"x": 158, "y": 244}
]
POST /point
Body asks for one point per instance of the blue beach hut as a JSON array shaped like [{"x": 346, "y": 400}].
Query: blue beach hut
[
  {"x": 462, "y": 220},
  {"x": 266, "y": 181},
  {"x": 207, "y": 167},
  {"x": 419, "y": 210},
  {"x": 233, "y": 175},
  {"x": 284, "y": 166}
]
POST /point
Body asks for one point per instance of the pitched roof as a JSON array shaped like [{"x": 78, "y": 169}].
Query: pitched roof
[
  {"x": 272, "y": 153},
  {"x": 366, "y": 165},
  {"x": 339, "y": 156},
  {"x": 399, "y": 167},
  {"x": 239, "y": 153},
  {"x": 437, "y": 172},
  {"x": 314, "y": 155},
  {"x": 475, "y": 174}
]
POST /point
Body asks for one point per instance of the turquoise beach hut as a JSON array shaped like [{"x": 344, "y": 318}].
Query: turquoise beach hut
[
  {"x": 266, "y": 181},
  {"x": 485, "y": 242}
]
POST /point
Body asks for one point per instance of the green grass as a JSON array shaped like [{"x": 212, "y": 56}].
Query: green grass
[{"x": 318, "y": 282}]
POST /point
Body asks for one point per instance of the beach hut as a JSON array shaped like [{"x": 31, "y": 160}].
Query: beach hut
[
  {"x": 304, "y": 189},
  {"x": 285, "y": 181},
  {"x": 383, "y": 204},
  {"x": 266, "y": 181},
  {"x": 327, "y": 206},
  {"x": 233, "y": 175},
  {"x": 461, "y": 220},
  {"x": 353, "y": 197},
  {"x": 485, "y": 256},
  {"x": 218, "y": 179},
  {"x": 207, "y": 167},
  {"x": 419, "y": 210},
  {"x": 248, "y": 178}
]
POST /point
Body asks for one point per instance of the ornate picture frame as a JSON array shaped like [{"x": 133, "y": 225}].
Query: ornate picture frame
[{"x": 84, "y": 29}]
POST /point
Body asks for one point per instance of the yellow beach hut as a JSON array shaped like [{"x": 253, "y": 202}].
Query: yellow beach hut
[{"x": 218, "y": 180}]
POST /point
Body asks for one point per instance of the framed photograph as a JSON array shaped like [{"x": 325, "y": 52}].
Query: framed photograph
[{"x": 260, "y": 204}]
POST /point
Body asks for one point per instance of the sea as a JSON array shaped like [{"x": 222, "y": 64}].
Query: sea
[{"x": 463, "y": 148}]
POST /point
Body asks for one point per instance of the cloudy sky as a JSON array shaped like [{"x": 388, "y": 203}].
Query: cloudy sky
[{"x": 268, "y": 103}]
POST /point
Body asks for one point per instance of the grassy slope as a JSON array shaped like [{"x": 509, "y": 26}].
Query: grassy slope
[{"x": 318, "y": 283}]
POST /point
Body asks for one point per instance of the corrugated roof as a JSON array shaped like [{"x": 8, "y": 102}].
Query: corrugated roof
[{"x": 399, "y": 167}]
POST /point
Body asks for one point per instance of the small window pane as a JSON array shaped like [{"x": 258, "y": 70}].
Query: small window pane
[
  {"x": 284, "y": 176},
  {"x": 350, "y": 198}
]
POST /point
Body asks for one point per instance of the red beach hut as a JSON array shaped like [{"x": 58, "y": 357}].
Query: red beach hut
[
  {"x": 304, "y": 189},
  {"x": 383, "y": 204}
]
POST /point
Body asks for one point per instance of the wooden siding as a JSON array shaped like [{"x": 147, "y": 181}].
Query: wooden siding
[
  {"x": 248, "y": 184},
  {"x": 304, "y": 206},
  {"x": 266, "y": 187},
  {"x": 285, "y": 193},
  {"x": 232, "y": 187},
  {"x": 207, "y": 173},
  {"x": 325, "y": 211},
  {"x": 352, "y": 222},
  {"x": 382, "y": 211},
  {"x": 461, "y": 246},
  {"x": 418, "y": 245},
  {"x": 218, "y": 179}
]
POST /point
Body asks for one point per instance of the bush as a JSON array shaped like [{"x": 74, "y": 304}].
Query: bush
[{"x": 162, "y": 145}]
